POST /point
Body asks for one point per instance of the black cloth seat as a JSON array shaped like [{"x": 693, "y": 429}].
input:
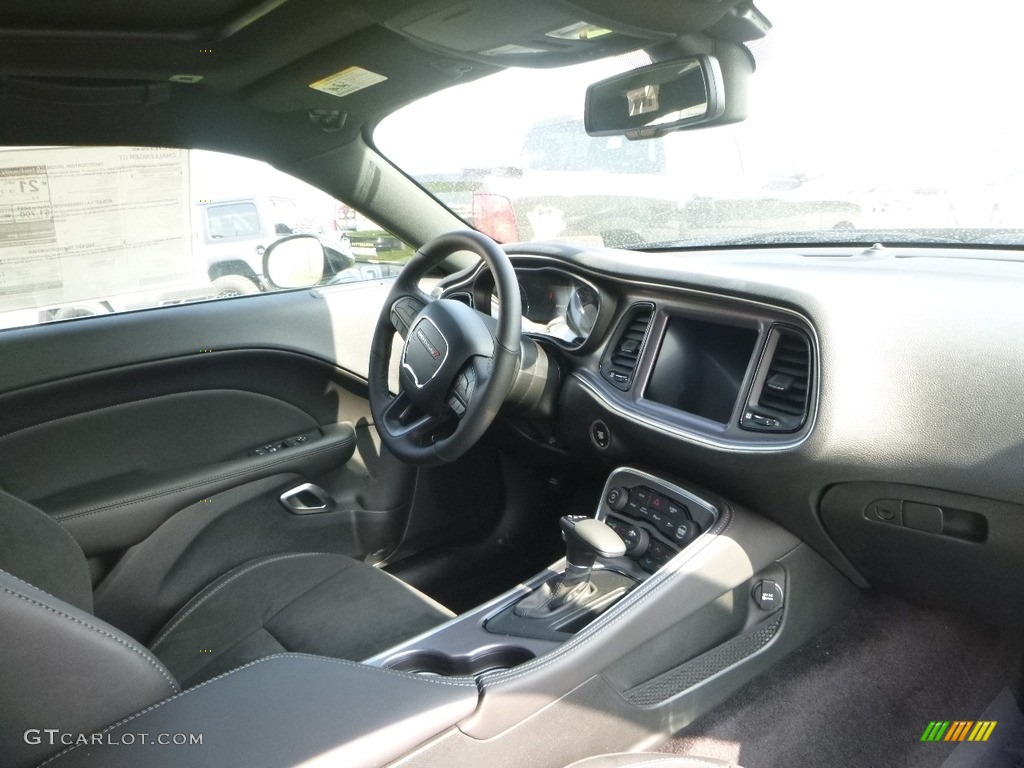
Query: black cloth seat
[{"x": 326, "y": 604}]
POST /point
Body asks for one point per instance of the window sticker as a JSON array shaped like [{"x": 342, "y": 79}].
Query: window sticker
[
  {"x": 79, "y": 224},
  {"x": 348, "y": 81}
]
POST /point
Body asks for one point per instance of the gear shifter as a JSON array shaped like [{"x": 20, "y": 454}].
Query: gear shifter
[{"x": 586, "y": 539}]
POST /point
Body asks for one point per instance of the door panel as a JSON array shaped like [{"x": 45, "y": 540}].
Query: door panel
[
  {"x": 119, "y": 517},
  {"x": 113, "y": 424}
]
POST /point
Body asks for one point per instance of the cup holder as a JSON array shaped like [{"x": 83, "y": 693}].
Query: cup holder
[{"x": 442, "y": 665}]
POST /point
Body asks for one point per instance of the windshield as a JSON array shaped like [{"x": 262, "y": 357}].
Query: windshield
[{"x": 894, "y": 123}]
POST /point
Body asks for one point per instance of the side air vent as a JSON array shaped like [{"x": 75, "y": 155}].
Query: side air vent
[
  {"x": 619, "y": 363},
  {"x": 780, "y": 398}
]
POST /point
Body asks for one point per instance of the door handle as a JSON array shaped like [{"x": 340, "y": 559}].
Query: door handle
[{"x": 307, "y": 499}]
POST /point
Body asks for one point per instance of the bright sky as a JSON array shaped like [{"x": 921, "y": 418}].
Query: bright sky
[{"x": 877, "y": 91}]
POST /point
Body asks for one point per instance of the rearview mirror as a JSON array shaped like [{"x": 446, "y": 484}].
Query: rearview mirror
[
  {"x": 296, "y": 261},
  {"x": 657, "y": 99}
]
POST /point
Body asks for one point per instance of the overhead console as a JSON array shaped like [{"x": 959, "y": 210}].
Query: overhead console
[{"x": 548, "y": 33}]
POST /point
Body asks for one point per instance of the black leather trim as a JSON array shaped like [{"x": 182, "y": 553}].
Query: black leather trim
[
  {"x": 65, "y": 669},
  {"x": 286, "y": 709}
]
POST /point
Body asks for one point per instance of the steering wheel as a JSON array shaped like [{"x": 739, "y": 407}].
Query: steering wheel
[{"x": 457, "y": 364}]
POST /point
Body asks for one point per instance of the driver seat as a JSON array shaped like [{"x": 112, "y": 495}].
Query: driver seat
[{"x": 60, "y": 662}]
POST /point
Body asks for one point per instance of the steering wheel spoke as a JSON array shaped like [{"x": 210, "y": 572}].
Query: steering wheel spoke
[{"x": 404, "y": 420}]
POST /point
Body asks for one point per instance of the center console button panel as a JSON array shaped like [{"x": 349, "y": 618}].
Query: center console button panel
[{"x": 655, "y": 519}]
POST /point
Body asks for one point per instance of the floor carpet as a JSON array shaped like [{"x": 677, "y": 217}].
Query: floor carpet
[{"x": 862, "y": 693}]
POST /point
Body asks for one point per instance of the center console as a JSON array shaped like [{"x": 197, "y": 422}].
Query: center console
[{"x": 642, "y": 523}]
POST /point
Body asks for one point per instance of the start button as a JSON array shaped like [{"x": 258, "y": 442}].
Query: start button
[{"x": 600, "y": 434}]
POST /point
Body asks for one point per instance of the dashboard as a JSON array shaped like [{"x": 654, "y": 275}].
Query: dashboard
[
  {"x": 867, "y": 401},
  {"x": 729, "y": 373}
]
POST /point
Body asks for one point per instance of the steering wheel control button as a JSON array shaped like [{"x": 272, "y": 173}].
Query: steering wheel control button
[
  {"x": 768, "y": 595},
  {"x": 456, "y": 405},
  {"x": 617, "y": 499},
  {"x": 403, "y": 312},
  {"x": 600, "y": 434},
  {"x": 465, "y": 384}
]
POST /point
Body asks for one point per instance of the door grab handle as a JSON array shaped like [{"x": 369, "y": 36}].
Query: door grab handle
[{"x": 307, "y": 499}]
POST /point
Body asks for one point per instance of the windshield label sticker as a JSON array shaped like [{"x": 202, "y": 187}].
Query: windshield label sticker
[
  {"x": 348, "y": 81},
  {"x": 87, "y": 223}
]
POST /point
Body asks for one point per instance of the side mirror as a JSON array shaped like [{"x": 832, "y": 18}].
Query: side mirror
[
  {"x": 651, "y": 101},
  {"x": 296, "y": 261}
]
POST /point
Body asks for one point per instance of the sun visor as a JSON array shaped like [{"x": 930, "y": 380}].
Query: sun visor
[
  {"x": 545, "y": 33},
  {"x": 360, "y": 74}
]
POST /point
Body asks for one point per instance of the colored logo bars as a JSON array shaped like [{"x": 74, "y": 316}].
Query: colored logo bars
[{"x": 958, "y": 730}]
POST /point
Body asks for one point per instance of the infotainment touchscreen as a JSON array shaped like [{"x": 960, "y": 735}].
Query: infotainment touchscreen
[{"x": 700, "y": 367}]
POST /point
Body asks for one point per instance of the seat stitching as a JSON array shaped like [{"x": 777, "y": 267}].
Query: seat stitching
[
  {"x": 26, "y": 583},
  {"x": 453, "y": 682},
  {"x": 61, "y": 517},
  {"x": 215, "y": 587},
  {"x": 235, "y": 645},
  {"x": 149, "y": 658}
]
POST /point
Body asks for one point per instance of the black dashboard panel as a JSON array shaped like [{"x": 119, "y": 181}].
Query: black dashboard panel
[
  {"x": 916, "y": 358},
  {"x": 687, "y": 363}
]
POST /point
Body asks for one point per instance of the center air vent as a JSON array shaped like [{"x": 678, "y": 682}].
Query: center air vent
[
  {"x": 779, "y": 400},
  {"x": 620, "y": 360}
]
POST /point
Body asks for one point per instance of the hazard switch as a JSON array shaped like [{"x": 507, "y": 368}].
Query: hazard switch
[{"x": 768, "y": 595}]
